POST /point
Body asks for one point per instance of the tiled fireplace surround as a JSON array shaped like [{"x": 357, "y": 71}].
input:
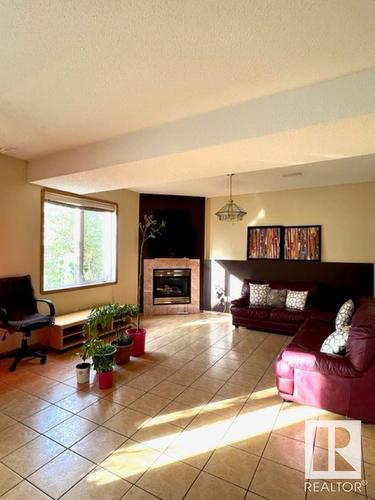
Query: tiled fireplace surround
[{"x": 149, "y": 265}]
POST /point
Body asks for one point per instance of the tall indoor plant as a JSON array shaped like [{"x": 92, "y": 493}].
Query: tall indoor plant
[
  {"x": 149, "y": 228},
  {"x": 122, "y": 319}
]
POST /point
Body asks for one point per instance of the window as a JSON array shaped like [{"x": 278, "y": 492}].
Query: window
[{"x": 79, "y": 238}]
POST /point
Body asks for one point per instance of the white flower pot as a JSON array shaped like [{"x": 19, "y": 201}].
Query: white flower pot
[{"x": 83, "y": 373}]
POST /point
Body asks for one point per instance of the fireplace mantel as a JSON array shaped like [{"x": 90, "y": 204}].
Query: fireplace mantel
[{"x": 149, "y": 265}]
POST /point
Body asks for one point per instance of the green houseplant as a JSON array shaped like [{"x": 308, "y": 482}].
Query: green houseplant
[
  {"x": 149, "y": 228},
  {"x": 123, "y": 315},
  {"x": 101, "y": 353}
]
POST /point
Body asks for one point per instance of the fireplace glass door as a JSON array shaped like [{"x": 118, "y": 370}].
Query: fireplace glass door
[{"x": 172, "y": 286}]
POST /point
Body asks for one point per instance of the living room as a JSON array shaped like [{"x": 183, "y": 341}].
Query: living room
[{"x": 214, "y": 208}]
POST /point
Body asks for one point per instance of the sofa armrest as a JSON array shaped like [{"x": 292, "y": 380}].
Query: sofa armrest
[
  {"x": 327, "y": 364},
  {"x": 50, "y": 305},
  {"x": 241, "y": 302},
  {"x": 3, "y": 318}
]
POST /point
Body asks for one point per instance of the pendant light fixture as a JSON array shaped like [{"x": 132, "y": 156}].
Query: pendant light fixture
[{"x": 230, "y": 211}]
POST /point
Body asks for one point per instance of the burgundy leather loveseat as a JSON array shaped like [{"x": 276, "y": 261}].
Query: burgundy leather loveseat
[
  {"x": 276, "y": 320},
  {"x": 341, "y": 384}
]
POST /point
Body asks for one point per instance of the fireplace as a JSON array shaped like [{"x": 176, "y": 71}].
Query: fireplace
[{"x": 171, "y": 286}]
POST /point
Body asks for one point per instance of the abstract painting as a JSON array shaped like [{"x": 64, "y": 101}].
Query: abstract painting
[
  {"x": 302, "y": 242},
  {"x": 264, "y": 242}
]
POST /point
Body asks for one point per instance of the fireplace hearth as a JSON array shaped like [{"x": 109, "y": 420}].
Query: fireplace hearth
[{"x": 171, "y": 286}]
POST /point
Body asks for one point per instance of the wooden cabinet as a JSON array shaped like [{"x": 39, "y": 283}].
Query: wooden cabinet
[{"x": 68, "y": 331}]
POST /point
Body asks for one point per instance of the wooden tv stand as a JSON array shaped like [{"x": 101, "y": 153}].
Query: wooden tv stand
[{"x": 68, "y": 331}]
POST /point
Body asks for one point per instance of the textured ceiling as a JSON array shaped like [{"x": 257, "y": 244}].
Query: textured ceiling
[{"x": 81, "y": 71}]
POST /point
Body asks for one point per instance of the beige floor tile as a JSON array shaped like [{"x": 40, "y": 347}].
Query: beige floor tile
[
  {"x": 25, "y": 407},
  {"x": 100, "y": 443},
  {"x": 56, "y": 393},
  {"x": 127, "y": 422},
  {"x": 150, "y": 404},
  {"x": 286, "y": 451},
  {"x": 125, "y": 395},
  {"x": 233, "y": 465},
  {"x": 167, "y": 390},
  {"x": 220, "y": 373},
  {"x": 178, "y": 414},
  {"x": 168, "y": 479},
  {"x": 157, "y": 435},
  {"x": 45, "y": 419},
  {"x": 23, "y": 491},
  {"x": 208, "y": 384},
  {"x": 368, "y": 447},
  {"x": 286, "y": 483},
  {"x": 99, "y": 483},
  {"x": 6, "y": 421},
  {"x": 77, "y": 401},
  {"x": 136, "y": 493},
  {"x": 368, "y": 431},
  {"x": 144, "y": 382},
  {"x": 253, "y": 496},
  {"x": 208, "y": 487},
  {"x": 14, "y": 437},
  {"x": 370, "y": 478},
  {"x": 101, "y": 411},
  {"x": 71, "y": 430},
  {"x": 35, "y": 454},
  {"x": 52, "y": 481},
  {"x": 8, "y": 479},
  {"x": 10, "y": 396},
  {"x": 131, "y": 460},
  {"x": 194, "y": 397}
]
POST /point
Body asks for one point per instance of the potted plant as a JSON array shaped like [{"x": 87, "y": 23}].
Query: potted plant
[
  {"x": 102, "y": 354},
  {"x": 149, "y": 228},
  {"x": 123, "y": 315},
  {"x": 103, "y": 361},
  {"x": 83, "y": 369}
]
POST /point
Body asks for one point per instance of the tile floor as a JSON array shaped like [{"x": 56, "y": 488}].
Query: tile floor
[{"x": 197, "y": 417}]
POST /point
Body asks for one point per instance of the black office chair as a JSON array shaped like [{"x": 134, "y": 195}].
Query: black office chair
[{"x": 19, "y": 313}]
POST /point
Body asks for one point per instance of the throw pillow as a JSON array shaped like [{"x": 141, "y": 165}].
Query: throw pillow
[
  {"x": 296, "y": 300},
  {"x": 344, "y": 315},
  {"x": 276, "y": 298},
  {"x": 258, "y": 294},
  {"x": 336, "y": 342}
]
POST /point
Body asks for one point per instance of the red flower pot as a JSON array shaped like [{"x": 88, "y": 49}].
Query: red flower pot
[
  {"x": 139, "y": 339},
  {"x": 105, "y": 379}
]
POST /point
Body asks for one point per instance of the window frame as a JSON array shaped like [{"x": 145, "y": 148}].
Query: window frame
[{"x": 43, "y": 291}]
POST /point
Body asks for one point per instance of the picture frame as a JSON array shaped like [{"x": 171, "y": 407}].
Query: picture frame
[
  {"x": 302, "y": 243},
  {"x": 264, "y": 242}
]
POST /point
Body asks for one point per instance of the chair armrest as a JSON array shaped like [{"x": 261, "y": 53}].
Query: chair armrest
[
  {"x": 327, "y": 364},
  {"x": 3, "y": 318},
  {"x": 241, "y": 302},
  {"x": 51, "y": 306}
]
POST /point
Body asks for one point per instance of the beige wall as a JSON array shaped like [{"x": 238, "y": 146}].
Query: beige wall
[
  {"x": 346, "y": 213},
  {"x": 20, "y": 225}
]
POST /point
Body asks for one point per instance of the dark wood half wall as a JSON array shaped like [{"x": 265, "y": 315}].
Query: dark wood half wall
[{"x": 337, "y": 281}]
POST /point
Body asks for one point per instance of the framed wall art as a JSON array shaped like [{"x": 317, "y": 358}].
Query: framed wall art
[
  {"x": 302, "y": 242},
  {"x": 264, "y": 242}
]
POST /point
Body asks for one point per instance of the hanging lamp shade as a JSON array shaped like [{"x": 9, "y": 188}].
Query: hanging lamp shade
[{"x": 230, "y": 211}]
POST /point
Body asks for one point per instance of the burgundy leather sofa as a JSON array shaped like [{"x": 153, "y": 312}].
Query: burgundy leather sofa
[
  {"x": 341, "y": 384},
  {"x": 276, "y": 320}
]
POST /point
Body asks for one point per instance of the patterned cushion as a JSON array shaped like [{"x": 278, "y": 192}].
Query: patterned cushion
[
  {"x": 276, "y": 297},
  {"x": 258, "y": 294},
  {"x": 344, "y": 315},
  {"x": 296, "y": 300},
  {"x": 336, "y": 342}
]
